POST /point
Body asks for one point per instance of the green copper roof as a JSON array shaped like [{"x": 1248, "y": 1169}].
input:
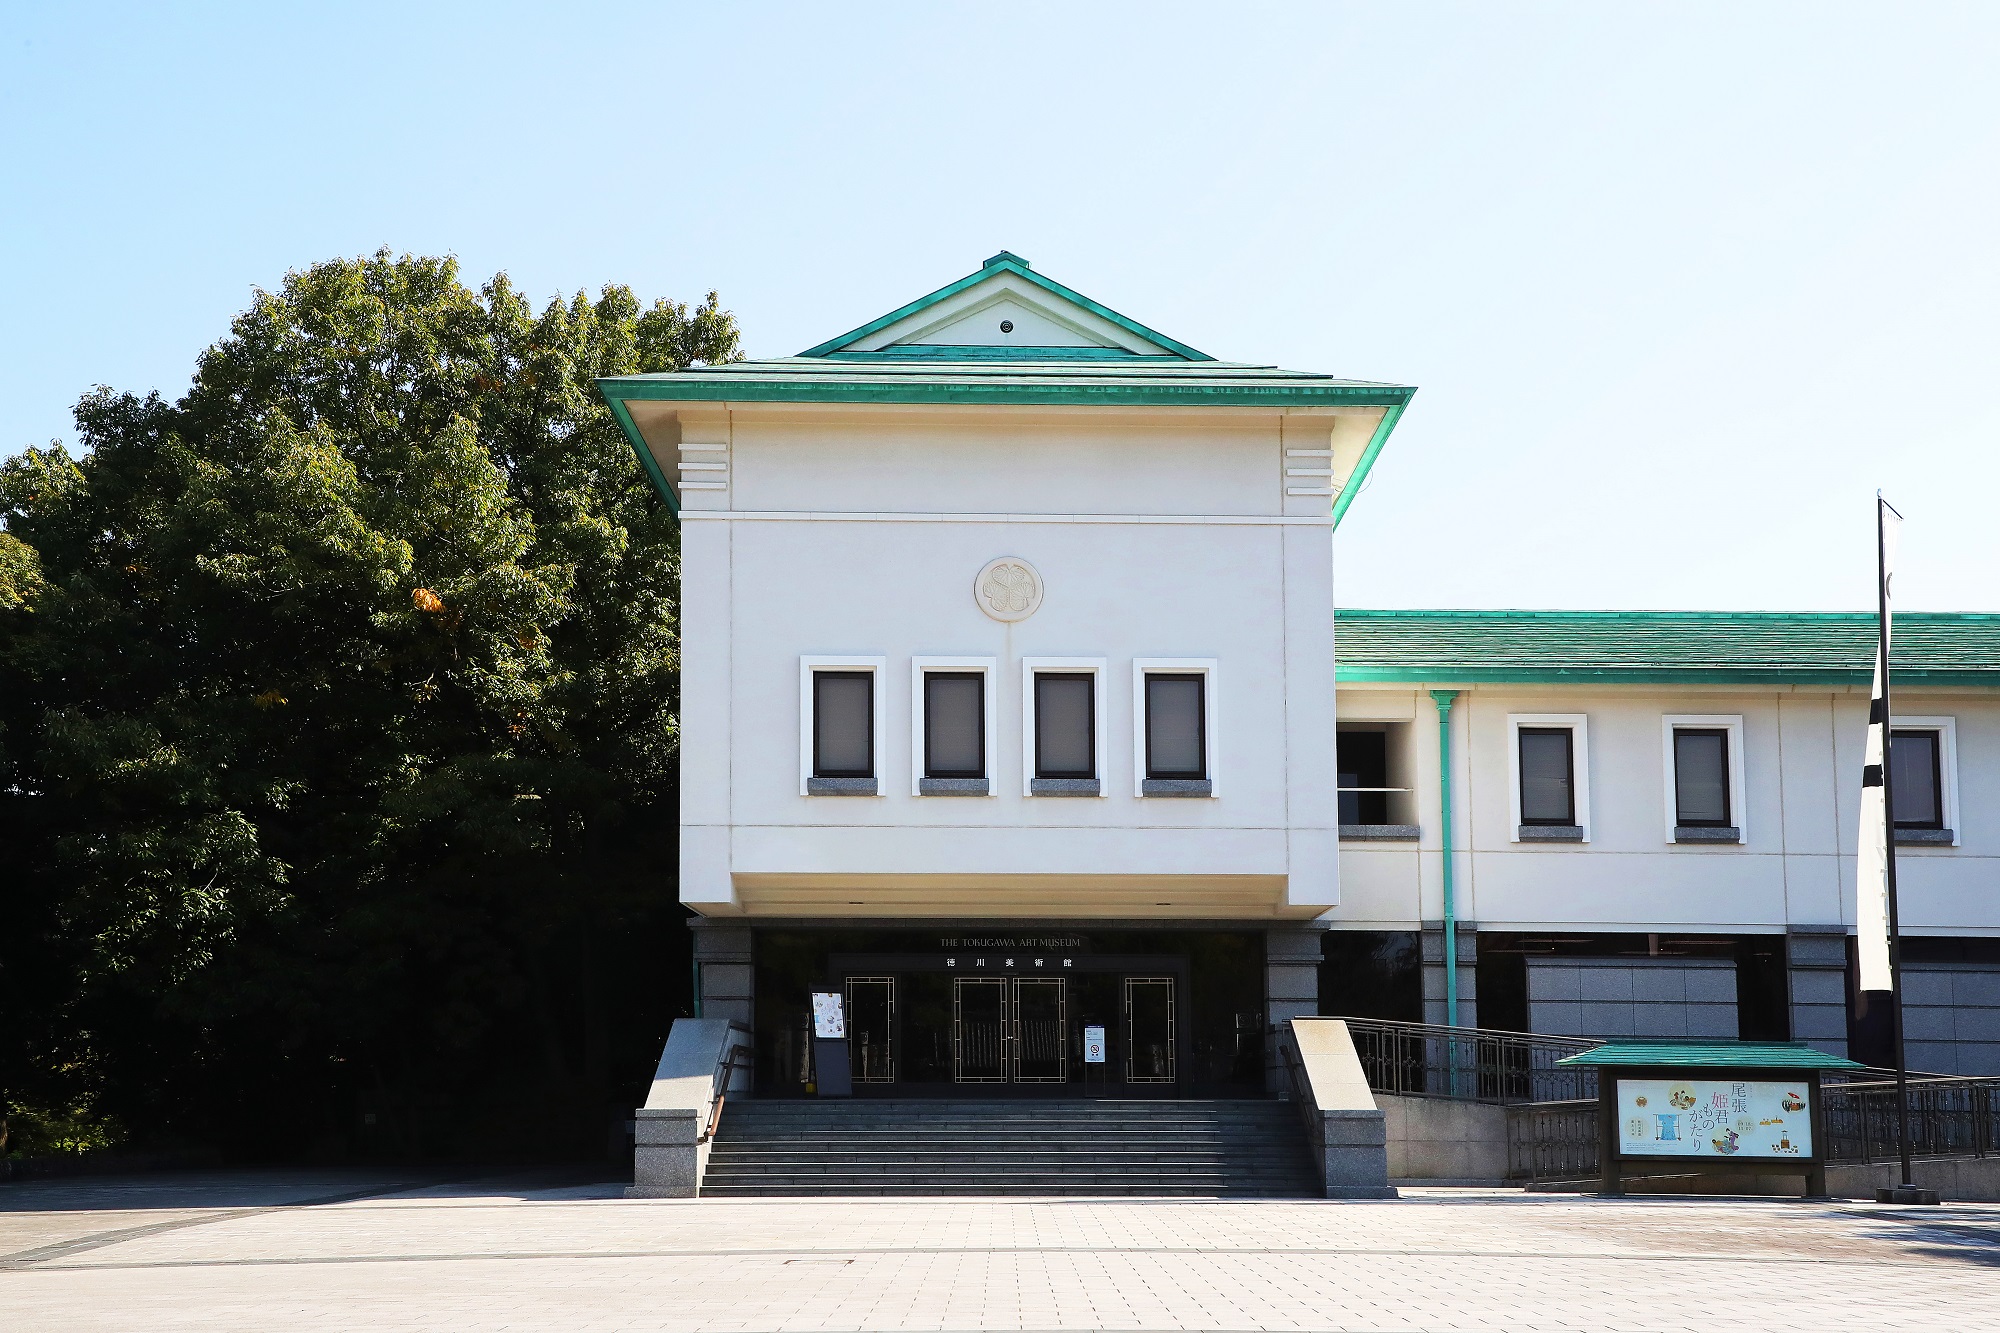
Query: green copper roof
[
  {"x": 1663, "y": 647},
  {"x": 1132, "y": 381},
  {"x": 1711, "y": 1055},
  {"x": 1146, "y": 369}
]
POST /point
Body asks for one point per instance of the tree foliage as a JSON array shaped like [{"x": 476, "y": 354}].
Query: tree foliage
[{"x": 337, "y": 723}]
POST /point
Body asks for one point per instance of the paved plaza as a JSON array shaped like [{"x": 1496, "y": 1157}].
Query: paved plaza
[{"x": 332, "y": 1250}]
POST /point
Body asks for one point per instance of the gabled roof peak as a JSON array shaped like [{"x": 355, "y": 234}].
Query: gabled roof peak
[{"x": 1004, "y": 311}]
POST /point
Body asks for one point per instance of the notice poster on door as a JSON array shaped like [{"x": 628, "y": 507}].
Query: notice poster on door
[
  {"x": 1093, "y": 1045},
  {"x": 1713, "y": 1118},
  {"x": 828, "y": 1020}
]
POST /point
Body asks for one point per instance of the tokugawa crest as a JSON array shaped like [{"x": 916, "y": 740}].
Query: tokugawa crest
[{"x": 1008, "y": 589}]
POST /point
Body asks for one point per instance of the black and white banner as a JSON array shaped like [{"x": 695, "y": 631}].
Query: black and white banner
[{"x": 1871, "y": 883}]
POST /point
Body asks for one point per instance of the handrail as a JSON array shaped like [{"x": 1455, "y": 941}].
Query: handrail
[
  {"x": 735, "y": 1056},
  {"x": 1302, "y": 1095},
  {"x": 1469, "y": 1064}
]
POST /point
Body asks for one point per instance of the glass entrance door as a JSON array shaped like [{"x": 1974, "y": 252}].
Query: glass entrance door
[
  {"x": 979, "y": 1029},
  {"x": 1010, "y": 1030},
  {"x": 1041, "y": 1051},
  {"x": 1149, "y": 1029},
  {"x": 871, "y": 1026}
]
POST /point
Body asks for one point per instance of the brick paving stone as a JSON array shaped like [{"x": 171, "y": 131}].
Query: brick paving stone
[{"x": 528, "y": 1254}]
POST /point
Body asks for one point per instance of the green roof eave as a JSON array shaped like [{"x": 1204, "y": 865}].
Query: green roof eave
[
  {"x": 743, "y": 389},
  {"x": 647, "y": 463},
  {"x": 1361, "y": 674},
  {"x": 1683, "y": 1053},
  {"x": 1004, "y": 262}
]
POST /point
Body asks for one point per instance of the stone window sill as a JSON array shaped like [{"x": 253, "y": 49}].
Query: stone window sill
[
  {"x": 1549, "y": 833},
  {"x": 953, "y": 787},
  {"x": 1176, "y": 787},
  {"x": 1924, "y": 837},
  {"x": 1380, "y": 832},
  {"x": 841, "y": 787},
  {"x": 1691, "y": 833},
  {"x": 1064, "y": 787}
]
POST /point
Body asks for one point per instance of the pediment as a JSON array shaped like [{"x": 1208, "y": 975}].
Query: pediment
[{"x": 1005, "y": 309}]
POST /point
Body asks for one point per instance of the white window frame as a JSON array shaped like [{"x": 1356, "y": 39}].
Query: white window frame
[
  {"x": 1947, "y": 730},
  {"x": 989, "y": 668},
  {"x": 1579, "y": 728},
  {"x": 1096, "y": 666},
  {"x": 809, "y": 664},
  {"x": 1739, "y": 798},
  {"x": 1205, "y": 667}
]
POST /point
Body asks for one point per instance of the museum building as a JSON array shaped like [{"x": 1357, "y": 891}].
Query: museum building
[{"x": 1016, "y": 712}]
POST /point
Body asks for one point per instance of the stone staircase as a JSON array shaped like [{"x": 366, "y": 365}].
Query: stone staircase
[{"x": 1241, "y": 1149}]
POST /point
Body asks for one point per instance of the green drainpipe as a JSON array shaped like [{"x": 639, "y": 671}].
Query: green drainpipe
[{"x": 1445, "y": 699}]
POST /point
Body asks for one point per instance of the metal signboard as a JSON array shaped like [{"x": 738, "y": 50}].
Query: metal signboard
[
  {"x": 1093, "y": 1044},
  {"x": 1714, "y": 1118},
  {"x": 829, "y": 1019}
]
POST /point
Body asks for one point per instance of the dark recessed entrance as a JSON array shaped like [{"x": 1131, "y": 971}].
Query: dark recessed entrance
[{"x": 1028, "y": 1015}]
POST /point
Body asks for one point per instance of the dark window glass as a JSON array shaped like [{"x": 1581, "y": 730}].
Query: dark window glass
[
  {"x": 1364, "y": 762},
  {"x": 1917, "y": 774},
  {"x": 843, "y": 724},
  {"x": 1548, "y": 788},
  {"x": 954, "y": 724},
  {"x": 1175, "y": 746},
  {"x": 1701, "y": 777},
  {"x": 1065, "y": 725}
]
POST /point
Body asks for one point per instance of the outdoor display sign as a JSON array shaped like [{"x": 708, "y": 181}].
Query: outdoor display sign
[
  {"x": 828, "y": 1019},
  {"x": 1670, "y": 1109},
  {"x": 1699, "y": 1117},
  {"x": 1093, "y": 1045}
]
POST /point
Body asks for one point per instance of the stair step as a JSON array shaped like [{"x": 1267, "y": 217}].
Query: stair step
[{"x": 889, "y": 1146}]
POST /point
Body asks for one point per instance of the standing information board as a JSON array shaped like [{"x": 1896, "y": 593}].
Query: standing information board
[
  {"x": 1734, "y": 1108},
  {"x": 833, "y": 1074}
]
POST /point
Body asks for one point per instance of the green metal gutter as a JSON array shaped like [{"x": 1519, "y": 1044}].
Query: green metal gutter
[
  {"x": 742, "y": 389},
  {"x": 1444, "y": 700},
  {"x": 1360, "y": 474},
  {"x": 1480, "y": 675}
]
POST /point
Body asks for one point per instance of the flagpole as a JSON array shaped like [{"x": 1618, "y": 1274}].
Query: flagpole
[{"x": 1889, "y": 849}]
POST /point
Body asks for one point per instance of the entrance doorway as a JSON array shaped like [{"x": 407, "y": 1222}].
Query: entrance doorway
[
  {"x": 1149, "y": 1029},
  {"x": 871, "y": 1028},
  {"x": 1010, "y": 1030}
]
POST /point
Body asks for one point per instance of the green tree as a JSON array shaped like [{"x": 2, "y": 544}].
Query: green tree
[{"x": 337, "y": 723}]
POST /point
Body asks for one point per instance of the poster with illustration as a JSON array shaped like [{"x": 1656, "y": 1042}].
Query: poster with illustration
[
  {"x": 1713, "y": 1118},
  {"x": 828, "y": 1020}
]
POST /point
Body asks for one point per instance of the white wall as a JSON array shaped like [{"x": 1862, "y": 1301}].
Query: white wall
[
  {"x": 1802, "y": 765},
  {"x": 861, "y": 534}
]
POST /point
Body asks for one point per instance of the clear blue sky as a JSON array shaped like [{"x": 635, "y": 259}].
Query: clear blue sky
[{"x": 1682, "y": 284}]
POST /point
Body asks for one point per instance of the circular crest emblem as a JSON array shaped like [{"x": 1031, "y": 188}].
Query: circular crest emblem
[{"x": 1008, "y": 589}]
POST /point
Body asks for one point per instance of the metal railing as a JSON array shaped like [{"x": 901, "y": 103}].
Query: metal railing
[
  {"x": 1552, "y": 1140},
  {"x": 1471, "y": 1064},
  {"x": 736, "y": 1056},
  {"x": 1949, "y": 1117}
]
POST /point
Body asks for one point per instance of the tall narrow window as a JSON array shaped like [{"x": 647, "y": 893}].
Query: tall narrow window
[
  {"x": 1701, "y": 777},
  {"x": 1065, "y": 724},
  {"x": 1916, "y": 779},
  {"x": 1176, "y": 746},
  {"x": 954, "y": 724},
  {"x": 843, "y": 724},
  {"x": 1363, "y": 775},
  {"x": 1548, "y": 776}
]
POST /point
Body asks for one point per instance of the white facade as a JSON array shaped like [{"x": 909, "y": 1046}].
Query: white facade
[
  {"x": 1800, "y": 756},
  {"x": 1177, "y": 514},
  {"x": 1157, "y": 538}
]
